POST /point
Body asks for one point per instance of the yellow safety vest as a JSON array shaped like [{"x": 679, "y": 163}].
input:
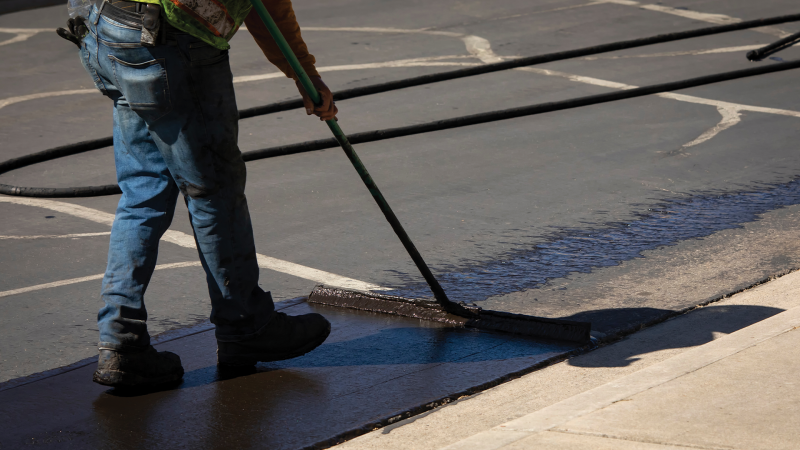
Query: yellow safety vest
[{"x": 213, "y": 21}]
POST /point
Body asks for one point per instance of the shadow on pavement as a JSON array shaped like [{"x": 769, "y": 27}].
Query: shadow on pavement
[{"x": 704, "y": 323}]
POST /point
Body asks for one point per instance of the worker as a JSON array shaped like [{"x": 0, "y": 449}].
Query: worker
[{"x": 165, "y": 66}]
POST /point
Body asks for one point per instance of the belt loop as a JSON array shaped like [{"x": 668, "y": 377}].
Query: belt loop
[{"x": 99, "y": 12}]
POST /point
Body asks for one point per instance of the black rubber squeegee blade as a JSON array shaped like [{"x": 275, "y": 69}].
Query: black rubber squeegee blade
[{"x": 539, "y": 327}]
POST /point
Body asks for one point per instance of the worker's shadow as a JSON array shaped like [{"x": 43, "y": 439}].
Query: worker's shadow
[
  {"x": 396, "y": 346},
  {"x": 696, "y": 328}
]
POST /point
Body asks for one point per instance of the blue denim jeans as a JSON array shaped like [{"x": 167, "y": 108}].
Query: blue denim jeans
[{"x": 175, "y": 131}]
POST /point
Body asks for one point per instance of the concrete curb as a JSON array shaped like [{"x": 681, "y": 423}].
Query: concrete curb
[
  {"x": 10, "y": 6},
  {"x": 652, "y": 376}
]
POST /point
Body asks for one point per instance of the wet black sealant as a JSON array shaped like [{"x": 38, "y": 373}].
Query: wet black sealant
[
  {"x": 581, "y": 250},
  {"x": 373, "y": 370}
]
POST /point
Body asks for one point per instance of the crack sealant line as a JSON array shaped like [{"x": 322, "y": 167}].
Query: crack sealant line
[
  {"x": 187, "y": 241},
  {"x": 559, "y": 414}
]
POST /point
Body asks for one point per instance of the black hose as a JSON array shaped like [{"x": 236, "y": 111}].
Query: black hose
[
  {"x": 474, "y": 119},
  {"x": 55, "y": 153},
  {"x": 92, "y": 191},
  {"x": 775, "y": 47},
  {"x": 521, "y": 62}
]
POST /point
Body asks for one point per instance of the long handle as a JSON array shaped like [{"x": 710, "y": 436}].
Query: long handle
[
  {"x": 763, "y": 52},
  {"x": 305, "y": 81}
]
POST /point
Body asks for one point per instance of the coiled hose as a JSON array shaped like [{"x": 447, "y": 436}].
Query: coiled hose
[{"x": 376, "y": 135}]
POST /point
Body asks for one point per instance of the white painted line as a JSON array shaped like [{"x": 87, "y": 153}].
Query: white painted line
[
  {"x": 25, "y": 30},
  {"x": 730, "y": 112},
  {"x": 476, "y": 46},
  {"x": 89, "y": 278},
  {"x": 544, "y": 11},
  {"x": 480, "y": 48},
  {"x": 22, "y": 98},
  {"x": 720, "y": 19},
  {"x": 320, "y": 276},
  {"x": 577, "y": 78},
  {"x": 730, "y": 117},
  {"x": 655, "y": 375},
  {"x": 22, "y": 34},
  {"x": 415, "y": 62},
  {"x": 387, "y": 30},
  {"x": 185, "y": 240},
  {"x": 58, "y": 236},
  {"x": 718, "y": 104},
  {"x": 71, "y": 209}
]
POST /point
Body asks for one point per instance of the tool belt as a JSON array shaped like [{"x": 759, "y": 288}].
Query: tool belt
[{"x": 145, "y": 16}]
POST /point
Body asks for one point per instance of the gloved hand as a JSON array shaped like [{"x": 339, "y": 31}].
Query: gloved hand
[
  {"x": 327, "y": 110},
  {"x": 77, "y": 30}
]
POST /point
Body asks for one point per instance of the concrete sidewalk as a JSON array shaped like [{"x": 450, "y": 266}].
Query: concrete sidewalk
[{"x": 723, "y": 376}]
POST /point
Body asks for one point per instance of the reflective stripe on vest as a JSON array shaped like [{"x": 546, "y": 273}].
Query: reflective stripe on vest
[{"x": 210, "y": 13}]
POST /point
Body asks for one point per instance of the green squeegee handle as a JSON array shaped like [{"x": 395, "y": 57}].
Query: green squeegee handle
[{"x": 305, "y": 81}]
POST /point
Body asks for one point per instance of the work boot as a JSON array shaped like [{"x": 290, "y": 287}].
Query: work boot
[
  {"x": 137, "y": 369},
  {"x": 285, "y": 337}
]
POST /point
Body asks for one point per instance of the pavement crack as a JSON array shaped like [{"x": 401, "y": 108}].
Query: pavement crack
[{"x": 630, "y": 439}]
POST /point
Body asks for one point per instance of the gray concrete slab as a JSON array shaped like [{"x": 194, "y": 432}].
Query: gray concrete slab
[
  {"x": 578, "y": 384},
  {"x": 748, "y": 400}
]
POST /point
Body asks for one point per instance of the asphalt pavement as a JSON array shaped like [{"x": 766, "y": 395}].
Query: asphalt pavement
[{"x": 623, "y": 213}]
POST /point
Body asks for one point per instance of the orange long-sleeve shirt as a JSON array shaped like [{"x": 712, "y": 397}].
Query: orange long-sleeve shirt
[{"x": 283, "y": 15}]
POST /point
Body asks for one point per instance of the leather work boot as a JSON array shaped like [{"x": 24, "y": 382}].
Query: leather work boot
[
  {"x": 137, "y": 369},
  {"x": 285, "y": 337}
]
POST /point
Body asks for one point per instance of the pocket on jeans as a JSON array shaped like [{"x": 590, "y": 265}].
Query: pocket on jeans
[
  {"x": 144, "y": 85},
  {"x": 202, "y": 54}
]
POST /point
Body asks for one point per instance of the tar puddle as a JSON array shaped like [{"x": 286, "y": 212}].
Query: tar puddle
[{"x": 581, "y": 250}]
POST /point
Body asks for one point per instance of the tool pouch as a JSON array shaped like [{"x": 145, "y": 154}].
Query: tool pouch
[{"x": 151, "y": 24}]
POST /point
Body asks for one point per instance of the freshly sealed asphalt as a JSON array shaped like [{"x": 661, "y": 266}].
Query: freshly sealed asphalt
[
  {"x": 621, "y": 213},
  {"x": 370, "y": 367}
]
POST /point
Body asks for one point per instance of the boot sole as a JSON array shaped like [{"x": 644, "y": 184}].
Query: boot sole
[
  {"x": 116, "y": 378},
  {"x": 254, "y": 358}
]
